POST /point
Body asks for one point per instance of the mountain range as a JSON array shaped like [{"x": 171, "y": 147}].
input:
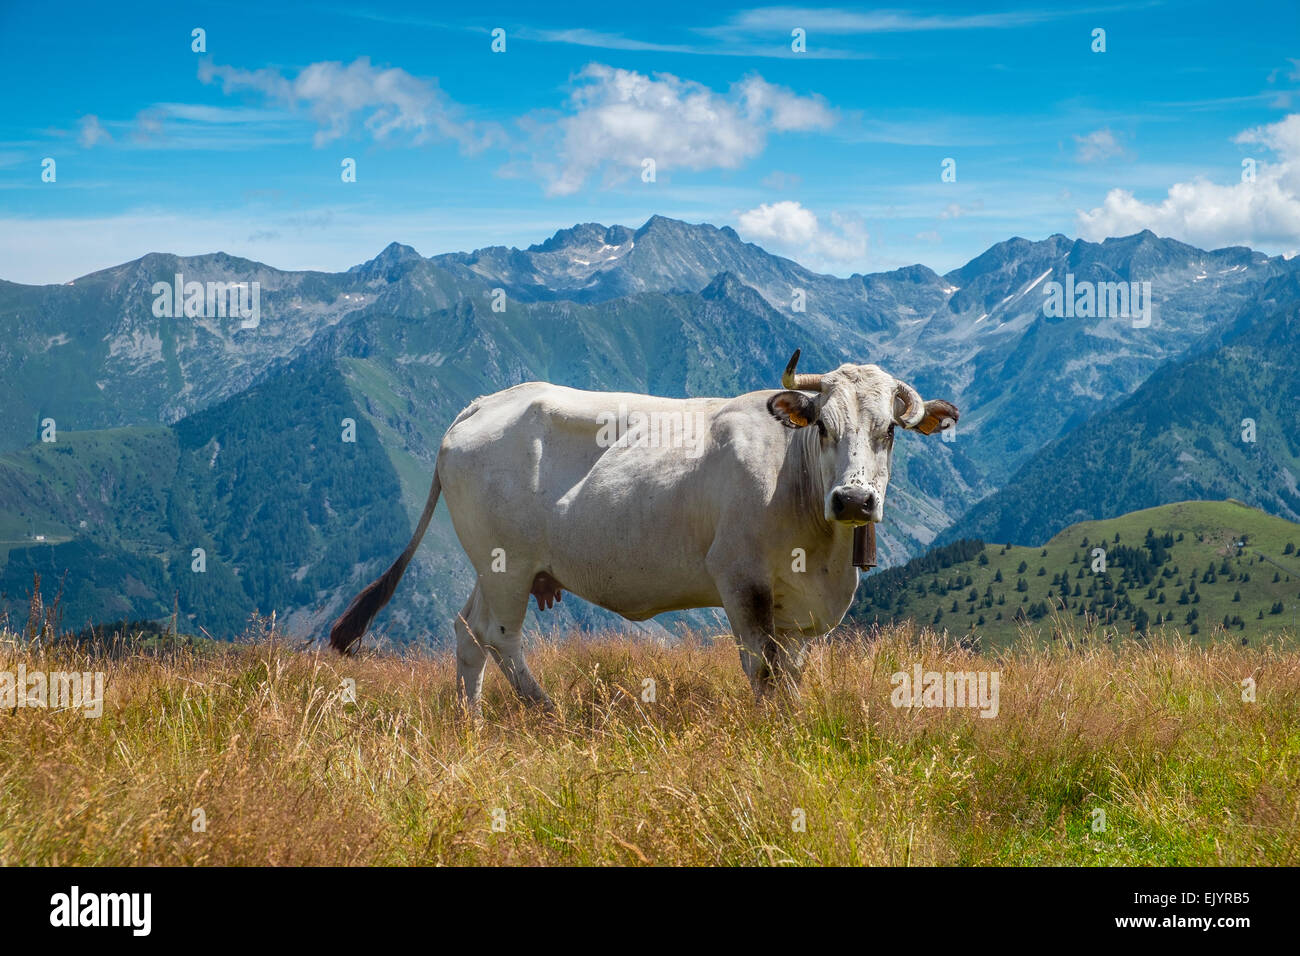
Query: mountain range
[
  {"x": 181, "y": 433},
  {"x": 1218, "y": 423}
]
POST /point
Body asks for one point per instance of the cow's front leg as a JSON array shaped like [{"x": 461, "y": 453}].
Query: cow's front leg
[
  {"x": 749, "y": 610},
  {"x": 788, "y": 660}
]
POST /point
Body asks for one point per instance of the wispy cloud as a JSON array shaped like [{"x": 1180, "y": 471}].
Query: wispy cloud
[
  {"x": 604, "y": 41},
  {"x": 835, "y": 20},
  {"x": 778, "y": 47},
  {"x": 689, "y": 44},
  {"x": 217, "y": 115},
  {"x": 187, "y": 126},
  {"x": 766, "y": 31},
  {"x": 957, "y": 210},
  {"x": 388, "y": 102},
  {"x": 200, "y": 126},
  {"x": 1097, "y": 146},
  {"x": 91, "y": 132}
]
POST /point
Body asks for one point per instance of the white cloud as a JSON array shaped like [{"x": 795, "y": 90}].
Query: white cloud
[
  {"x": 91, "y": 132},
  {"x": 789, "y": 227},
  {"x": 388, "y": 101},
  {"x": 782, "y": 110},
  {"x": 1098, "y": 145},
  {"x": 621, "y": 117},
  {"x": 1264, "y": 213},
  {"x": 1282, "y": 138}
]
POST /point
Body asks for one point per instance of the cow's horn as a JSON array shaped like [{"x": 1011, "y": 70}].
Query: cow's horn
[
  {"x": 806, "y": 383},
  {"x": 909, "y": 410}
]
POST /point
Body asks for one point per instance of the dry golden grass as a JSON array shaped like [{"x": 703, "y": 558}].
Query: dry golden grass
[{"x": 260, "y": 738}]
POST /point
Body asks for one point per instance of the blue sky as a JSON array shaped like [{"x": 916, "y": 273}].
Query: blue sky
[{"x": 832, "y": 156}]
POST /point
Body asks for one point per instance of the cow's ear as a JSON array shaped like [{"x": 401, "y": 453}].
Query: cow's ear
[
  {"x": 793, "y": 409},
  {"x": 939, "y": 415}
]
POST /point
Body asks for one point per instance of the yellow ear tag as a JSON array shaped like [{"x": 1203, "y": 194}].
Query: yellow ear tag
[{"x": 798, "y": 419}]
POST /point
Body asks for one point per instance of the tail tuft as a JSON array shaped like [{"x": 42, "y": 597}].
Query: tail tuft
[{"x": 351, "y": 626}]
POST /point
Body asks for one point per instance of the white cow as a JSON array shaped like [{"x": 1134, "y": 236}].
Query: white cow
[{"x": 644, "y": 505}]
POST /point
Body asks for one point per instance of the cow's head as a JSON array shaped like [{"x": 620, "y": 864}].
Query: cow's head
[{"x": 854, "y": 410}]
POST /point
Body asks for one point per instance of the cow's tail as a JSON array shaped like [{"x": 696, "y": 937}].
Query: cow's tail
[{"x": 352, "y": 624}]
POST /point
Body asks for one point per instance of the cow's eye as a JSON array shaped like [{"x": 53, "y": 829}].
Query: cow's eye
[
  {"x": 821, "y": 427},
  {"x": 891, "y": 432}
]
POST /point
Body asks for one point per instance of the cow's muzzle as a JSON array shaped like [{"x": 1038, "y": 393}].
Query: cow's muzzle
[{"x": 854, "y": 505}]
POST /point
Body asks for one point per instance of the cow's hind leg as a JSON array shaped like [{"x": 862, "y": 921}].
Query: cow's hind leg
[
  {"x": 471, "y": 655},
  {"x": 505, "y": 603}
]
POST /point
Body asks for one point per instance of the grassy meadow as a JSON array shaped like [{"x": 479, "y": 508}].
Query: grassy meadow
[{"x": 256, "y": 753}]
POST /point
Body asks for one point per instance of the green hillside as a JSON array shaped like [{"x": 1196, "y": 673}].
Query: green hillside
[
  {"x": 282, "y": 508},
  {"x": 1192, "y": 566}
]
